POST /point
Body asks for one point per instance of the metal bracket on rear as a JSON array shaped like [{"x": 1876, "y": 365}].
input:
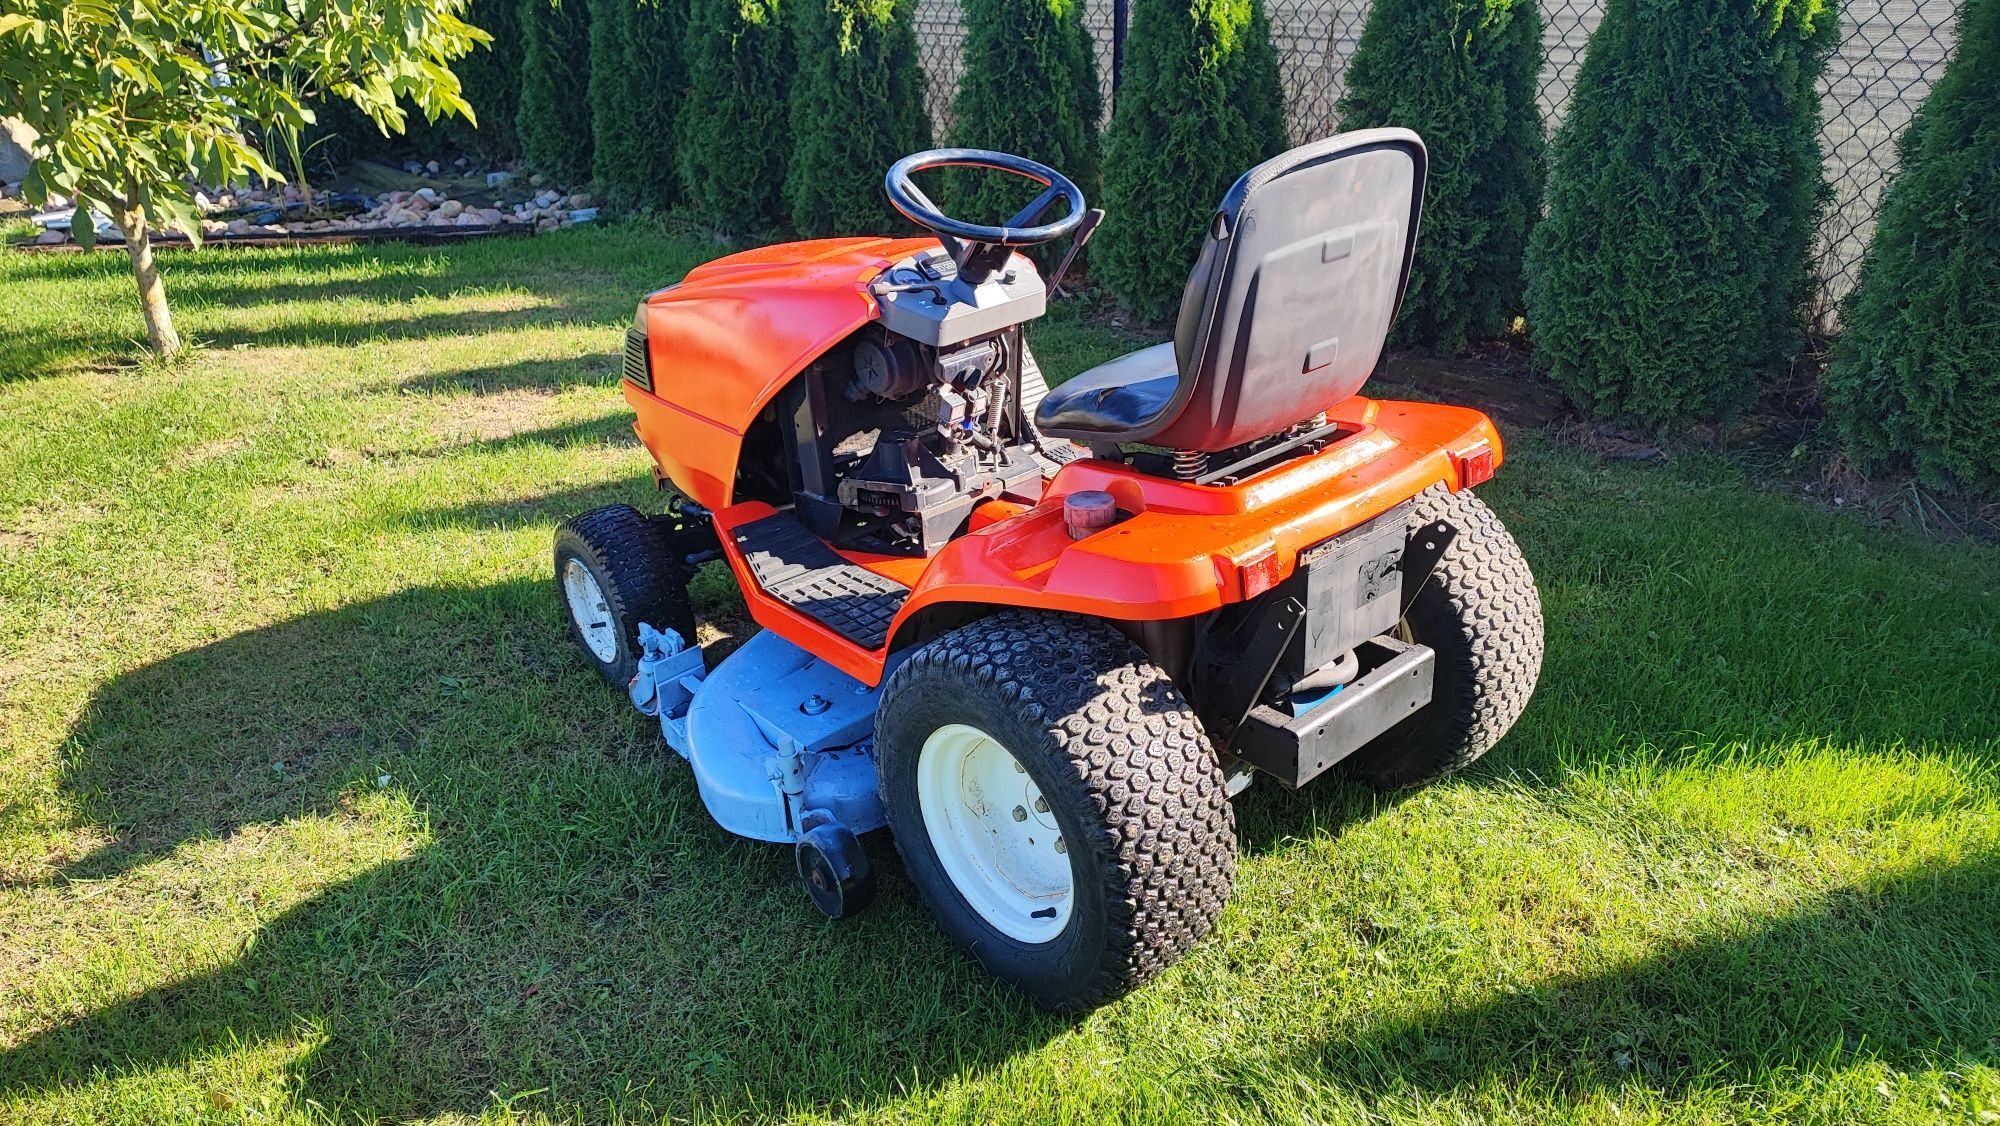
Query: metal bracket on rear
[{"x": 1421, "y": 553}]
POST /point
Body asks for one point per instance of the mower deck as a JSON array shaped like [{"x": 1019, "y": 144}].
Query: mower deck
[{"x": 797, "y": 568}]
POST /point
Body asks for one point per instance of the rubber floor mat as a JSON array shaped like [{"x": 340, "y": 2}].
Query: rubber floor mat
[{"x": 796, "y": 568}]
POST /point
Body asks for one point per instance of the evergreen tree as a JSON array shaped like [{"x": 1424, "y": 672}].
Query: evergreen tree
[
  {"x": 637, "y": 79},
  {"x": 733, "y": 127},
  {"x": 1199, "y": 105},
  {"x": 553, "y": 121},
  {"x": 490, "y": 78},
  {"x": 1029, "y": 88},
  {"x": 1461, "y": 73},
  {"x": 1683, "y": 189},
  {"x": 1915, "y": 379},
  {"x": 857, "y": 108}
]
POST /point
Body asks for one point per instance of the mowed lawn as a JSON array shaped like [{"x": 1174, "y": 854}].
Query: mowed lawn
[{"x": 308, "y": 810}]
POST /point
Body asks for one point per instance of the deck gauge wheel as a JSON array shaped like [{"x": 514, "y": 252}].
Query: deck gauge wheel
[{"x": 834, "y": 866}]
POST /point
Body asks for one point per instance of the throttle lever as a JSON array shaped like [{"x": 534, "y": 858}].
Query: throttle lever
[{"x": 1084, "y": 230}]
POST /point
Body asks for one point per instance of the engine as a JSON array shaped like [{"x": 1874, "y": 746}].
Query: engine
[{"x": 894, "y": 441}]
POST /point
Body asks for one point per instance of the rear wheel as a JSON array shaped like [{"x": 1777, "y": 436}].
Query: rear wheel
[
  {"x": 1056, "y": 803},
  {"x": 614, "y": 569},
  {"x": 1481, "y": 615}
]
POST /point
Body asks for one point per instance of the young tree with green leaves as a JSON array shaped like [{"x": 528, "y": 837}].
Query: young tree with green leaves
[
  {"x": 553, "y": 121},
  {"x": 1029, "y": 88},
  {"x": 1683, "y": 188},
  {"x": 734, "y": 127},
  {"x": 637, "y": 79},
  {"x": 1199, "y": 105},
  {"x": 1461, "y": 73},
  {"x": 857, "y": 108},
  {"x": 1915, "y": 380},
  {"x": 135, "y": 104}
]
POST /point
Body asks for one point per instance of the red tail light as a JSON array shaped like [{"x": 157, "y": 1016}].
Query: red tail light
[
  {"x": 1475, "y": 466},
  {"x": 1259, "y": 570}
]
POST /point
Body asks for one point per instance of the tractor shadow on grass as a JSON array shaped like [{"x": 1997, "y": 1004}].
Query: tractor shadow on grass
[
  {"x": 1898, "y": 974},
  {"x": 505, "y": 884}
]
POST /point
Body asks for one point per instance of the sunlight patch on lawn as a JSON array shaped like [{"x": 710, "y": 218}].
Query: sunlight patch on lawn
[{"x": 187, "y": 912}]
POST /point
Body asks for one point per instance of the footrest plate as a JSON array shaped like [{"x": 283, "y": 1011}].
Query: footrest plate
[{"x": 799, "y": 569}]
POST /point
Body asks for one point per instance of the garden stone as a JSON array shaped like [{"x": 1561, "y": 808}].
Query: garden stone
[
  {"x": 16, "y": 139},
  {"x": 498, "y": 179}
]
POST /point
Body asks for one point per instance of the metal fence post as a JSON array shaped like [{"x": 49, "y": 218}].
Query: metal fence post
[{"x": 1119, "y": 15}]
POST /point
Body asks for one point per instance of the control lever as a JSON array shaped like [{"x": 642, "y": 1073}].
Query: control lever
[{"x": 1084, "y": 230}]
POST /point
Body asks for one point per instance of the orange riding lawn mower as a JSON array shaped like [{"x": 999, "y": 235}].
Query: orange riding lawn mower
[{"x": 1044, "y": 635}]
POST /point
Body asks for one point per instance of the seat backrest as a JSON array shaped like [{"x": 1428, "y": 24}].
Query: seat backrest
[{"x": 1290, "y": 303}]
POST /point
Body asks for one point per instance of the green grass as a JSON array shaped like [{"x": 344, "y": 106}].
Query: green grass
[{"x": 308, "y": 810}]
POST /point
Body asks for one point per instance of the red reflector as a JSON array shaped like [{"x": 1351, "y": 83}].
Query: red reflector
[
  {"x": 1259, "y": 571},
  {"x": 1475, "y": 466}
]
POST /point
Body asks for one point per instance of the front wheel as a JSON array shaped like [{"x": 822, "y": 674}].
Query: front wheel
[
  {"x": 1056, "y": 803},
  {"x": 616, "y": 568}
]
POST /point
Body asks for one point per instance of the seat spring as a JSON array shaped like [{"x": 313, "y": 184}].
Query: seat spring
[{"x": 1190, "y": 464}]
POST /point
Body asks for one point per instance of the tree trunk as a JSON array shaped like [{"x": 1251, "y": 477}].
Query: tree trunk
[{"x": 152, "y": 295}]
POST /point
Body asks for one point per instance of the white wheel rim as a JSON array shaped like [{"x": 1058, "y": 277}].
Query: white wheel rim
[
  {"x": 589, "y": 609},
  {"x": 994, "y": 834}
]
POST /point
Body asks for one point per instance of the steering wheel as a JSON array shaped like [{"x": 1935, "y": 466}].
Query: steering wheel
[{"x": 979, "y": 249}]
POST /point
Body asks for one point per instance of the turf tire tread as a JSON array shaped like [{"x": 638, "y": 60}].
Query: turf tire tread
[
  {"x": 1162, "y": 833},
  {"x": 1482, "y": 615}
]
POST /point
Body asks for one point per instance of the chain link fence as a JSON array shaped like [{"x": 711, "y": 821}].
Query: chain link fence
[{"x": 1890, "y": 53}]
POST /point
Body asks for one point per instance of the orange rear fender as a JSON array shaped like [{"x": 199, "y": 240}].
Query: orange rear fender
[{"x": 1177, "y": 554}]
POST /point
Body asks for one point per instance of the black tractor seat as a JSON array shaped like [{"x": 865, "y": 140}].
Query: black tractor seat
[
  {"x": 1113, "y": 397},
  {"x": 1287, "y": 309}
]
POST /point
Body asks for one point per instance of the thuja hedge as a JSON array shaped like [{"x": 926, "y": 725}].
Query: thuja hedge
[
  {"x": 637, "y": 79},
  {"x": 857, "y": 106},
  {"x": 1683, "y": 188},
  {"x": 1915, "y": 380},
  {"x": 553, "y": 121},
  {"x": 1030, "y": 88},
  {"x": 490, "y": 78},
  {"x": 1199, "y": 104},
  {"x": 734, "y": 126},
  {"x": 1462, "y": 73}
]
